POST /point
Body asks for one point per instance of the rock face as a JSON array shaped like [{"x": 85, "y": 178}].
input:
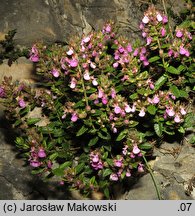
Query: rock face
[
  {"x": 51, "y": 20},
  {"x": 174, "y": 174}
]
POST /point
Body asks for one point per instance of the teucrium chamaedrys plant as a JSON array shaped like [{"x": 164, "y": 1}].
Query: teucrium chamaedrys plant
[{"x": 103, "y": 102}]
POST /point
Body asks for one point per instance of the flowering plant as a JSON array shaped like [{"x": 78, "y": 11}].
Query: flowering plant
[{"x": 103, "y": 102}]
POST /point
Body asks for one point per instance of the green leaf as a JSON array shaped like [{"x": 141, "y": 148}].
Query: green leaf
[
  {"x": 152, "y": 109},
  {"x": 65, "y": 165},
  {"x": 145, "y": 146},
  {"x": 181, "y": 68},
  {"x": 183, "y": 94},
  {"x": 92, "y": 180},
  {"x": 181, "y": 130},
  {"x": 104, "y": 135},
  {"x": 82, "y": 130},
  {"x": 107, "y": 193},
  {"x": 122, "y": 135},
  {"x": 160, "y": 82},
  {"x": 93, "y": 141},
  {"x": 106, "y": 172},
  {"x": 153, "y": 59},
  {"x": 79, "y": 168},
  {"x": 58, "y": 172},
  {"x": 32, "y": 121},
  {"x": 37, "y": 171},
  {"x": 173, "y": 70},
  {"x": 158, "y": 129},
  {"x": 175, "y": 91},
  {"x": 53, "y": 156},
  {"x": 143, "y": 75},
  {"x": 134, "y": 96}
]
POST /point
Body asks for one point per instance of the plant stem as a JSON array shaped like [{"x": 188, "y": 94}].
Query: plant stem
[
  {"x": 165, "y": 10},
  {"x": 153, "y": 178}
]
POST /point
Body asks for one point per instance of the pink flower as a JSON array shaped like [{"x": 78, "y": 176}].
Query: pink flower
[
  {"x": 100, "y": 93},
  {"x": 73, "y": 62},
  {"x": 125, "y": 150},
  {"x": 74, "y": 117},
  {"x": 86, "y": 39},
  {"x": 184, "y": 51},
  {"x": 21, "y": 103},
  {"x": 108, "y": 28},
  {"x": 115, "y": 65},
  {"x": 159, "y": 17},
  {"x": 104, "y": 100},
  {"x": 114, "y": 130},
  {"x": 41, "y": 153},
  {"x": 118, "y": 163},
  {"x": 170, "y": 52},
  {"x": 146, "y": 62},
  {"x": 92, "y": 65},
  {"x": 182, "y": 111},
  {"x": 117, "y": 109},
  {"x": 73, "y": 83},
  {"x": 163, "y": 31},
  {"x": 86, "y": 75},
  {"x": 127, "y": 108},
  {"x": 145, "y": 20},
  {"x": 140, "y": 168},
  {"x": 155, "y": 99},
  {"x": 2, "y": 92},
  {"x": 95, "y": 158},
  {"x": 179, "y": 33},
  {"x": 35, "y": 163},
  {"x": 121, "y": 49},
  {"x": 142, "y": 112},
  {"x": 70, "y": 52},
  {"x": 136, "y": 51},
  {"x": 148, "y": 40},
  {"x": 141, "y": 26},
  {"x": 94, "y": 82},
  {"x": 34, "y": 58},
  {"x": 132, "y": 155},
  {"x": 55, "y": 73},
  {"x": 164, "y": 20},
  {"x": 129, "y": 48},
  {"x": 49, "y": 164},
  {"x": 136, "y": 150},
  {"x": 128, "y": 174},
  {"x": 144, "y": 34},
  {"x": 114, "y": 177},
  {"x": 170, "y": 112},
  {"x": 177, "y": 118},
  {"x": 133, "y": 108}
]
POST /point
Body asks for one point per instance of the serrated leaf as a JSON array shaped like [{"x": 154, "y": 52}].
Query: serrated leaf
[
  {"x": 106, "y": 172},
  {"x": 160, "y": 82},
  {"x": 153, "y": 59},
  {"x": 173, "y": 70},
  {"x": 32, "y": 121},
  {"x": 122, "y": 135},
  {"x": 82, "y": 130},
  {"x": 158, "y": 129},
  {"x": 175, "y": 91},
  {"x": 152, "y": 109},
  {"x": 93, "y": 141}
]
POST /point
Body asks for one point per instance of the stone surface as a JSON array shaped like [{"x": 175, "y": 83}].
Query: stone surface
[
  {"x": 52, "y": 20},
  {"x": 174, "y": 174}
]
